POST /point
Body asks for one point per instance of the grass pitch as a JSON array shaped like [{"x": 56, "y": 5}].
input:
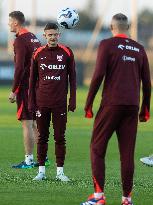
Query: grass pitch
[{"x": 17, "y": 187}]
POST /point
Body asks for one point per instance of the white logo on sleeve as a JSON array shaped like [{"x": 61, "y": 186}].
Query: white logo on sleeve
[{"x": 34, "y": 40}]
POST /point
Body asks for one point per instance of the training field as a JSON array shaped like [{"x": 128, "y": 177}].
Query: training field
[{"x": 17, "y": 187}]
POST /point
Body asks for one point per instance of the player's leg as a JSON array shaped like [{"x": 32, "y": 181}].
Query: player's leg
[
  {"x": 43, "y": 117},
  {"x": 105, "y": 123},
  {"x": 28, "y": 140},
  {"x": 126, "y": 133},
  {"x": 59, "y": 119},
  {"x": 36, "y": 134},
  {"x": 35, "y": 131},
  {"x": 26, "y": 119}
]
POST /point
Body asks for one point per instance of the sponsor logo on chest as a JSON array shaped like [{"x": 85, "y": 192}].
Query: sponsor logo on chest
[
  {"x": 52, "y": 77},
  {"x": 59, "y": 57},
  {"x": 52, "y": 66}
]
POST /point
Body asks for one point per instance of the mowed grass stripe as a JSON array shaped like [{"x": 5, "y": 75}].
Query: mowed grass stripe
[{"x": 17, "y": 187}]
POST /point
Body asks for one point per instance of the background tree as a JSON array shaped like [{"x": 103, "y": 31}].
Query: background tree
[{"x": 145, "y": 26}]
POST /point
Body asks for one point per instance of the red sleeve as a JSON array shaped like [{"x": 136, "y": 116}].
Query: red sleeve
[
  {"x": 72, "y": 80},
  {"x": 146, "y": 90},
  {"x": 100, "y": 70},
  {"x": 32, "y": 106},
  {"x": 20, "y": 52}
]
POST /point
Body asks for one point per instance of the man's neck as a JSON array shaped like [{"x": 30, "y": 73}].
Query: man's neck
[
  {"x": 118, "y": 32},
  {"x": 52, "y": 46},
  {"x": 18, "y": 29}
]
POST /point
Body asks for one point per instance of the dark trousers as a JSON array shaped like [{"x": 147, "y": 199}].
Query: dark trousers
[
  {"x": 123, "y": 120},
  {"x": 59, "y": 119}
]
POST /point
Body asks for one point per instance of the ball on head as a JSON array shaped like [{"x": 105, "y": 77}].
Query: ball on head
[{"x": 68, "y": 18}]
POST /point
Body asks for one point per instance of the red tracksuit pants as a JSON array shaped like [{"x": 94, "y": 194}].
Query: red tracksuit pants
[
  {"x": 59, "y": 119},
  {"x": 123, "y": 120}
]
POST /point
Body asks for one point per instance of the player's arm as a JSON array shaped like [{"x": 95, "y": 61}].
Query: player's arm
[
  {"x": 72, "y": 82},
  {"x": 32, "y": 106},
  {"x": 144, "y": 114},
  {"x": 20, "y": 52},
  {"x": 99, "y": 72}
]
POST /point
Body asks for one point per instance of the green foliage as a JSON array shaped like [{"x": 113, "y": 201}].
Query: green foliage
[
  {"x": 145, "y": 17},
  {"x": 17, "y": 187},
  {"x": 85, "y": 21},
  {"x": 145, "y": 26}
]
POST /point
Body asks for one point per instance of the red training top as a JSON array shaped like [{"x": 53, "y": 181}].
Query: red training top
[{"x": 51, "y": 70}]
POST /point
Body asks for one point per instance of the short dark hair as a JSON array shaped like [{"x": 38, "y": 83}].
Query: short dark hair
[
  {"x": 51, "y": 25},
  {"x": 120, "y": 17},
  {"x": 122, "y": 21},
  {"x": 18, "y": 15}
]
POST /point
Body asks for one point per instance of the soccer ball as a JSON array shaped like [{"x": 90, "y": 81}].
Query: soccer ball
[{"x": 67, "y": 18}]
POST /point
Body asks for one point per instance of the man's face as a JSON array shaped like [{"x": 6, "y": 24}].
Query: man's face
[
  {"x": 52, "y": 37},
  {"x": 12, "y": 24}
]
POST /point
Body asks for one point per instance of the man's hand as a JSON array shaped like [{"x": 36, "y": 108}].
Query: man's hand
[
  {"x": 71, "y": 107},
  {"x": 72, "y": 104},
  {"x": 89, "y": 113},
  {"x": 12, "y": 97},
  {"x": 143, "y": 118},
  {"x": 144, "y": 115}
]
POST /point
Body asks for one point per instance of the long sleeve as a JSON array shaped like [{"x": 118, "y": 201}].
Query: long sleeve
[
  {"x": 72, "y": 81},
  {"x": 32, "y": 106},
  {"x": 146, "y": 88},
  {"x": 20, "y": 52},
  {"x": 100, "y": 70}
]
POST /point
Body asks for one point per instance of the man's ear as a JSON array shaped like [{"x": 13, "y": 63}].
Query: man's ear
[
  {"x": 111, "y": 27},
  {"x": 44, "y": 35},
  {"x": 16, "y": 23}
]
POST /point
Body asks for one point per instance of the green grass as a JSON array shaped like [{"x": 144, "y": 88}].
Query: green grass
[{"x": 17, "y": 187}]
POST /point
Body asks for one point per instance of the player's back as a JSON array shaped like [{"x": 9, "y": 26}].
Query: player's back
[
  {"x": 24, "y": 46},
  {"x": 125, "y": 61}
]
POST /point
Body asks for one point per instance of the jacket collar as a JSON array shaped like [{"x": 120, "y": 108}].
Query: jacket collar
[
  {"x": 22, "y": 31},
  {"x": 121, "y": 35}
]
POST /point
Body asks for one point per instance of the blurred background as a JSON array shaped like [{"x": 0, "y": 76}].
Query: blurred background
[{"x": 95, "y": 17}]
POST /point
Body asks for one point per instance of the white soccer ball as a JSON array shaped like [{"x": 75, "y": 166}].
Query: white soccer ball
[{"x": 68, "y": 18}]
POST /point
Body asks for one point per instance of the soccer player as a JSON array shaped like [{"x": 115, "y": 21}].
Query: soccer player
[
  {"x": 52, "y": 68},
  {"x": 124, "y": 64},
  {"x": 147, "y": 160},
  {"x": 24, "y": 45}
]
